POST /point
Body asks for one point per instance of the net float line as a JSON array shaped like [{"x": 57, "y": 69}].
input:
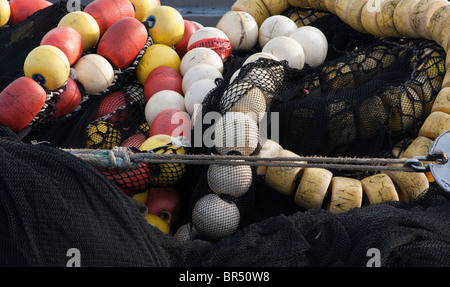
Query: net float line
[{"x": 123, "y": 158}]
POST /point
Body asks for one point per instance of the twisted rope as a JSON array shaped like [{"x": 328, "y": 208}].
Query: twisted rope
[{"x": 122, "y": 159}]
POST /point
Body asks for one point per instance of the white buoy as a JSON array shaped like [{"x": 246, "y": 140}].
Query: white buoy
[
  {"x": 199, "y": 72},
  {"x": 163, "y": 100},
  {"x": 200, "y": 56},
  {"x": 274, "y": 26},
  {"x": 94, "y": 72},
  {"x": 314, "y": 44},
  {"x": 229, "y": 179},
  {"x": 197, "y": 93},
  {"x": 286, "y": 48},
  {"x": 241, "y": 29}
]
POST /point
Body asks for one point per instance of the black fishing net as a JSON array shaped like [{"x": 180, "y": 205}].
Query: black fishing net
[{"x": 370, "y": 96}]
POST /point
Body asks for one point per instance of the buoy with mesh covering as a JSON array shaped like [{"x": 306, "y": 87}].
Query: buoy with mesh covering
[
  {"x": 5, "y": 12},
  {"x": 141, "y": 7},
  {"x": 189, "y": 29},
  {"x": 107, "y": 12},
  {"x": 234, "y": 180},
  {"x": 21, "y": 9},
  {"x": 174, "y": 123},
  {"x": 186, "y": 233},
  {"x": 48, "y": 66},
  {"x": 103, "y": 135},
  {"x": 258, "y": 55},
  {"x": 283, "y": 178},
  {"x": 252, "y": 102},
  {"x": 256, "y": 8},
  {"x": 197, "y": 93},
  {"x": 20, "y": 102},
  {"x": 84, "y": 24},
  {"x": 70, "y": 99},
  {"x": 123, "y": 41},
  {"x": 314, "y": 44},
  {"x": 165, "y": 25},
  {"x": 199, "y": 72},
  {"x": 164, "y": 174},
  {"x": 274, "y": 26},
  {"x": 163, "y": 100},
  {"x": 346, "y": 194},
  {"x": 163, "y": 202},
  {"x": 133, "y": 181},
  {"x": 94, "y": 72},
  {"x": 211, "y": 38},
  {"x": 155, "y": 56},
  {"x": 110, "y": 103},
  {"x": 163, "y": 78},
  {"x": 379, "y": 188},
  {"x": 200, "y": 56},
  {"x": 215, "y": 218},
  {"x": 241, "y": 29},
  {"x": 236, "y": 132},
  {"x": 313, "y": 187},
  {"x": 67, "y": 40},
  {"x": 286, "y": 48}
]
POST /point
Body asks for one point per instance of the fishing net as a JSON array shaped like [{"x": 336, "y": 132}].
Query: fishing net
[{"x": 368, "y": 98}]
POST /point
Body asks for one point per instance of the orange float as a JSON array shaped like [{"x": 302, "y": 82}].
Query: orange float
[
  {"x": 123, "y": 41},
  {"x": 171, "y": 122},
  {"x": 163, "y": 78},
  {"x": 70, "y": 99},
  {"x": 182, "y": 45},
  {"x": 21, "y": 9},
  {"x": 107, "y": 12},
  {"x": 67, "y": 39},
  {"x": 17, "y": 107}
]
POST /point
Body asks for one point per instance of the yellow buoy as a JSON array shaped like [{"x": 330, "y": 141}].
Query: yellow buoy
[
  {"x": 166, "y": 25},
  {"x": 95, "y": 73},
  {"x": 86, "y": 25},
  {"x": 141, "y": 7},
  {"x": 103, "y": 135},
  {"x": 158, "y": 223},
  {"x": 48, "y": 66},
  {"x": 164, "y": 174},
  {"x": 5, "y": 12},
  {"x": 156, "y": 55}
]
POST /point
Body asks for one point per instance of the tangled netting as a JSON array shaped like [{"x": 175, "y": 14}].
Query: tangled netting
[{"x": 369, "y": 96}]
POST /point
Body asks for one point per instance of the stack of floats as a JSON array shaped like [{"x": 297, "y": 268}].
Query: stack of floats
[{"x": 395, "y": 18}]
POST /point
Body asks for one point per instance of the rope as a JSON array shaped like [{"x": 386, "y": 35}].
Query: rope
[{"x": 123, "y": 159}]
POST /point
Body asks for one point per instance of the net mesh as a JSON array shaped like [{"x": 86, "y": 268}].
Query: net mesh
[{"x": 370, "y": 96}]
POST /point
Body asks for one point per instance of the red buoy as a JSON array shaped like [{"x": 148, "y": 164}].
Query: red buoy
[
  {"x": 163, "y": 78},
  {"x": 20, "y": 102},
  {"x": 70, "y": 99},
  {"x": 164, "y": 202},
  {"x": 123, "y": 41},
  {"x": 135, "y": 180},
  {"x": 107, "y": 12},
  {"x": 189, "y": 29},
  {"x": 111, "y": 103},
  {"x": 67, "y": 39},
  {"x": 171, "y": 122},
  {"x": 21, "y": 9}
]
